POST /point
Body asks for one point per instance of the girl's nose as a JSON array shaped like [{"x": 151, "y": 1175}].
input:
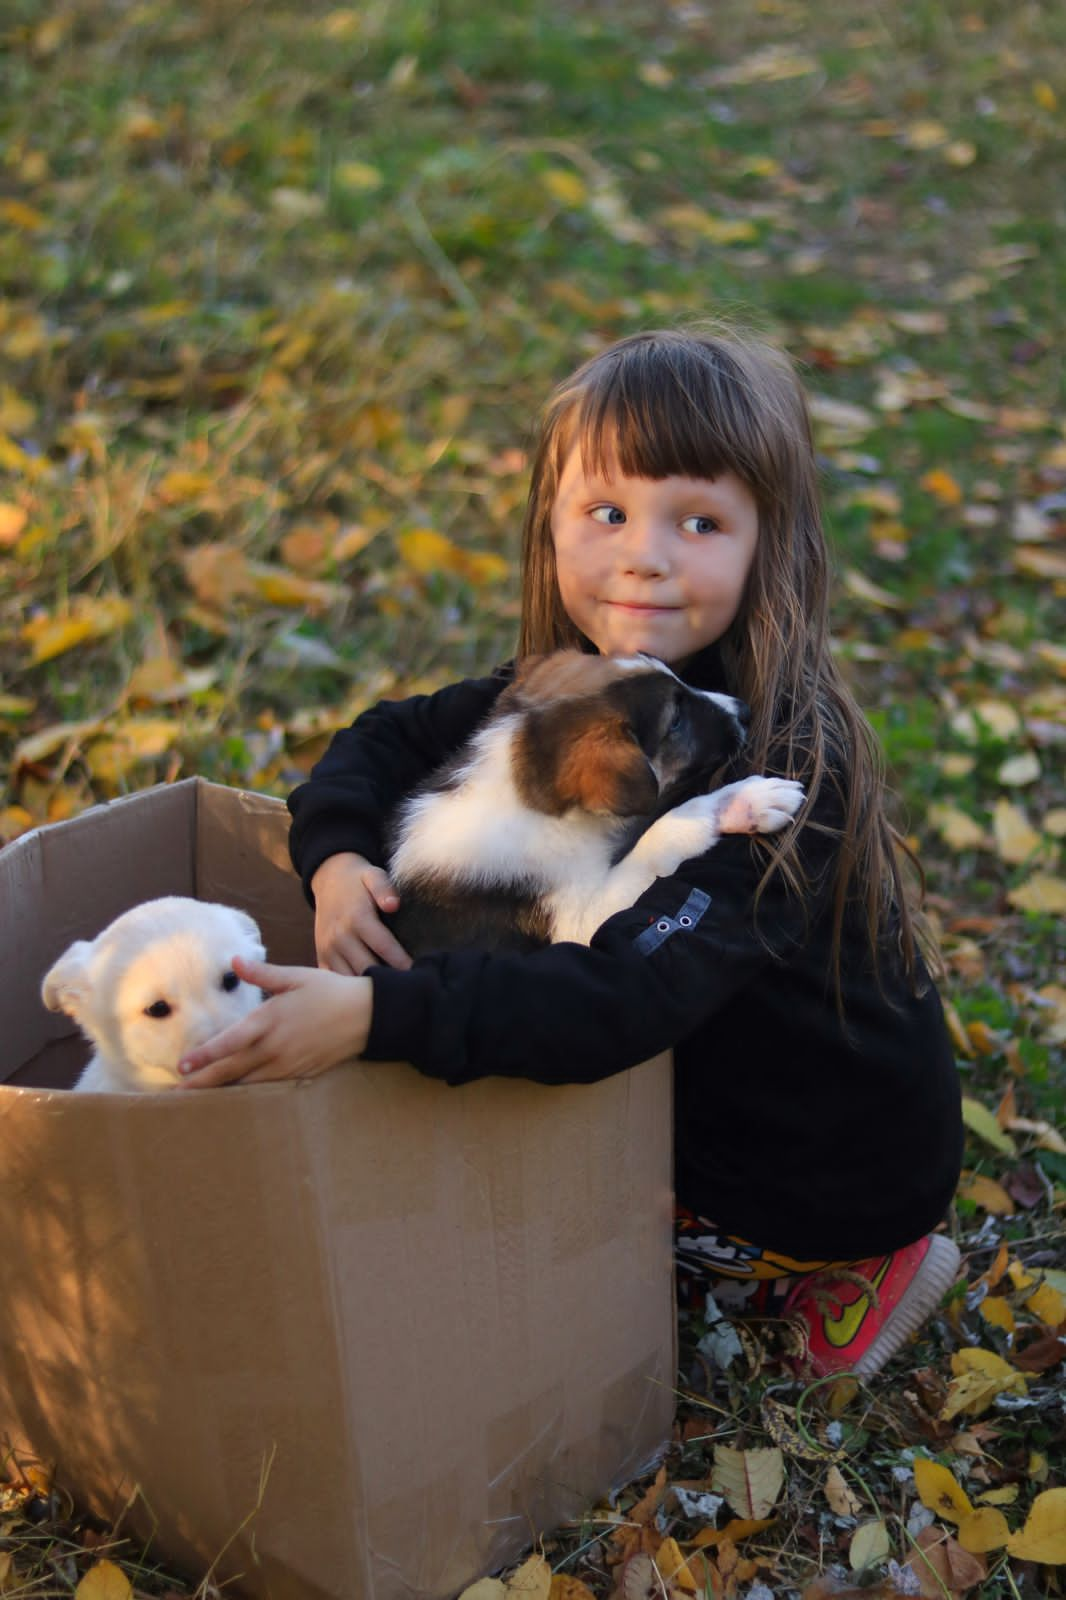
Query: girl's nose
[{"x": 644, "y": 550}]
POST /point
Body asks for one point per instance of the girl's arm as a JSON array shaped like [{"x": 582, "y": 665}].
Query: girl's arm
[{"x": 372, "y": 765}]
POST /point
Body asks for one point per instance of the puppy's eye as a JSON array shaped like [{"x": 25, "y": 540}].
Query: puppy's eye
[
  {"x": 158, "y": 1008},
  {"x": 678, "y": 721},
  {"x": 230, "y": 980}
]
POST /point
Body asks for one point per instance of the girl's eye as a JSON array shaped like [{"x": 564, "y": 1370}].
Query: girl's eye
[
  {"x": 230, "y": 981},
  {"x": 614, "y": 516},
  {"x": 158, "y": 1008},
  {"x": 700, "y": 525}
]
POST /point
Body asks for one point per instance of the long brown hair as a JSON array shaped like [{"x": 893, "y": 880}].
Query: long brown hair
[{"x": 697, "y": 404}]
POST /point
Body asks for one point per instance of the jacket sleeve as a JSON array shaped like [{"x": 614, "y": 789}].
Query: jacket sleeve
[
  {"x": 372, "y": 765},
  {"x": 650, "y": 976}
]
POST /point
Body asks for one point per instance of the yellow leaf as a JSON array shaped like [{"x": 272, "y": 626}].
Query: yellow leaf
[
  {"x": 88, "y": 618},
  {"x": 279, "y": 587},
  {"x": 1019, "y": 1277},
  {"x": 1047, "y": 1304},
  {"x": 178, "y": 487},
  {"x": 997, "y": 1313},
  {"x": 564, "y": 1587},
  {"x": 957, "y": 828},
  {"x": 925, "y": 134},
  {"x": 960, "y": 153},
  {"x": 1044, "y": 1536},
  {"x": 1044, "y": 95},
  {"x": 1005, "y": 1496},
  {"x": 750, "y": 1480},
  {"x": 565, "y": 186},
  {"x": 532, "y": 1581},
  {"x": 39, "y": 746},
  {"x": 672, "y": 1566},
  {"x": 12, "y": 521},
  {"x": 22, "y": 216},
  {"x": 485, "y": 1589},
  {"x": 427, "y": 552},
  {"x": 980, "y": 1375},
  {"x": 481, "y": 567},
  {"x": 358, "y": 176},
  {"x": 988, "y": 1194},
  {"x": 104, "y": 1581},
  {"x": 943, "y": 487},
  {"x": 940, "y": 1492},
  {"x": 985, "y": 1529},
  {"x": 1042, "y": 892},
  {"x": 981, "y": 1121},
  {"x": 959, "y": 1036},
  {"x": 1037, "y": 1467},
  {"x": 1016, "y": 839}
]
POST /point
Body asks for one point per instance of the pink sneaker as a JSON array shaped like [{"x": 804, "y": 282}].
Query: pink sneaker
[{"x": 856, "y": 1318}]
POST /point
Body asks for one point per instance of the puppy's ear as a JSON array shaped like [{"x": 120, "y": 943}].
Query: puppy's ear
[
  {"x": 251, "y": 928},
  {"x": 66, "y": 984},
  {"x": 604, "y": 769}
]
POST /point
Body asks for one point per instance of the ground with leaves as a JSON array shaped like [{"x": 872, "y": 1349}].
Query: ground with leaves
[{"x": 280, "y": 289}]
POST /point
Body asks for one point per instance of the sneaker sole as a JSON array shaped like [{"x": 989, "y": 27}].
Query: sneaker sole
[{"x": 921, "y": 1297}]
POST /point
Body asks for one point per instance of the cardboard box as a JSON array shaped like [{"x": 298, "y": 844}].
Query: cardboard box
[{"x": 357, "y": 1338}]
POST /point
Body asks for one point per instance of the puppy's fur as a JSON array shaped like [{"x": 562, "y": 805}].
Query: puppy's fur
[
  {"x": 154, "y": 984},
  {"x": 568, "y": 802}
]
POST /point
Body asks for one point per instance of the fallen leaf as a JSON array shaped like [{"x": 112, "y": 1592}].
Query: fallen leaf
[
  {"x": 940, "y": 1492},
  {"x": 943, "y": 487},
  {"x": 983, "y": 1530},
  {"x": 979, "y": 1376},
  {"x": 89, "y": 618},
  {"x": 485, "y": 1589},
  {"x": 1016, "y": 838},
  {"x": 532, "y": 1581},
  {"x": 672, "y": 1566},
  {"x": 12, "y": 521},
  {"x": 941, "y": 1565},
  {"x": 996, "y": 1311},
  {"x": 981, "y": 1121},
  {"x": 988, "y": 1194},
  {"x": 869, "y": 1543},
  {"x": 564, "y": 1587},
  {"x": 1043, "y": 1537},
  {"x": 751, "y": 1480},
  {"x": 957, "y": 828},
  {"x": 1048, "y": 1304},
  {"x": 1042, "y": 892},
  {"x": 842, "y": 1499},
  {"x": 1017, "y": 771},
  {"x": 104, "y": 1581}
]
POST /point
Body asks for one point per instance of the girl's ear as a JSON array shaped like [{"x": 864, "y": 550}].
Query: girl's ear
[{"x": 66, "y": 984}]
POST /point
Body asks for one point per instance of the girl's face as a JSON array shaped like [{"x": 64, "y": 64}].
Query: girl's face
[{"x": 650, "y": 564}]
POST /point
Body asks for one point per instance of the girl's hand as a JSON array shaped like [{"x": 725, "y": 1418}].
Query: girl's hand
[
  {"x": 313, "y": 1021},
  {"x": 349, "y": 934}
]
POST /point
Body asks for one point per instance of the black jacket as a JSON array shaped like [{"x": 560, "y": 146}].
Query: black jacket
[{"x": 804, "y": 1135}]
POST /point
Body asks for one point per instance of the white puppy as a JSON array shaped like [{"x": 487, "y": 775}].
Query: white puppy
[{"x": 152, "y": 986}]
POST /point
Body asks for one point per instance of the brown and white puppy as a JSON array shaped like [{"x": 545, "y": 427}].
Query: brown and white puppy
[{"x": 568, "y": 802}]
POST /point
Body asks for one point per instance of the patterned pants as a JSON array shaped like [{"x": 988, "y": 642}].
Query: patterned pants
[{"x": 739, "y": 1274}]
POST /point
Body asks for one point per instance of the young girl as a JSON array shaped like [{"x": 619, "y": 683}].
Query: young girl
[{"x": 674, "y": 510}]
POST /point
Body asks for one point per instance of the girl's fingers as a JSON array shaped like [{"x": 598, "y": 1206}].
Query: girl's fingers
[
  {"x": 384, "y": 946},
  {"x": 235, "y": 1068},
  {"x": 346, "y": 955},
  {"x": 240, "y": 1036},
  {"x": 382, "y": 891},
  {"x": 265, "y": 975}
]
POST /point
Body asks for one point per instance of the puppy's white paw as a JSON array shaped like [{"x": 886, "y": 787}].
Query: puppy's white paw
[{"x": 761, "y": 805}]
